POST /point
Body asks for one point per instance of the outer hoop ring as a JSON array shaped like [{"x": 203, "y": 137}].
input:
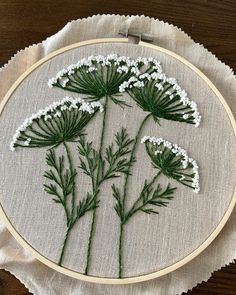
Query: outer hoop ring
[{"x": 152, "y": 275}]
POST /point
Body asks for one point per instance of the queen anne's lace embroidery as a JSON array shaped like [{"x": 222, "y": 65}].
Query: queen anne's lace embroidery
[
  {"x": 106, "y": 78},
  {"x": 173, "y": 161},
  {"x": 44, "y": 133},
  {"x": 165, "y": 100}
]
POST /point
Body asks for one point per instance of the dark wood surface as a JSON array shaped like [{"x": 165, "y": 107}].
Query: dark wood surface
[{"x": 212, "y": 23}]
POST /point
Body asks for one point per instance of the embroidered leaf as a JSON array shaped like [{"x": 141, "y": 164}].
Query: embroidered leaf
[
  {"x": 86, "y": 204},
  {"x": 116, "y": 158},
  {"x": 115, "y": 161},
  {"x": 62, "y": 181},
  {"x": 173, "y": 161},
  {"x": 119, "y": 206},
  {"x": 52, "y": 190},
  {"x": 60, "y": 122},
  {"x": 62, "y": 186},
  {"x": 162, "y": 97},
  {"x": 91, "y": 157},
  {"x": 151, "y": 196}
]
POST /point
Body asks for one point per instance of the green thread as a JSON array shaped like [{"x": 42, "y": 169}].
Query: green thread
[
  {"x": 173, "y": 161},
  {"x": 125, "y": 188},
  {"x": 100, "y": 168},
  {"x": 121, "y": 250},
  {"x": 112, "y": 165},
  {"x": 60, "y": 122},
  {"x": 98, "y": 77},
  {"x": 94, "y": 190},
  {"x": 148, "y": 198},
  {"x": 163, "y": 98},
  {"x": 157, "y": 95},
  {"x": 71, "y": 169},
  {"x": 101, "y": 77},
  {"x": 132, "y": 154},
  {"x": 134, "y": 209},
  {"x": 62, "y": 187},
  {"x": 63, "y": 246},
  {"x": 151, "y": 197}
]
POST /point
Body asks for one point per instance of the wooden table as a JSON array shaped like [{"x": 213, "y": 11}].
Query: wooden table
[{"x": 212, "y": 23}]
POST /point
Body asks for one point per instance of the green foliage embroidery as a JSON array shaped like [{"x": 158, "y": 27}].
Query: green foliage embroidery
[
  {"x": 105, "y": 78},
  {"x": 169, "y": 159},
  {"x": 150, "y": 196},
  {"x": 161, "y": 97},
  {"x": 114, "y": 162},
  {"x": 60, "y": 123},
  {"x": 62, "y": 188},
  {"x": 100, "y": 168},
  {"x": 99, "y": 77}
]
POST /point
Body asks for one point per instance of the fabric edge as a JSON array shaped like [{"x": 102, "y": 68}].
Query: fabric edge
[
  {"x": 27, "y": 284},
  {"x": 116, "y": 15},
  {"x": 232, "y": 260},
  {"x": 17, "y": 55}
]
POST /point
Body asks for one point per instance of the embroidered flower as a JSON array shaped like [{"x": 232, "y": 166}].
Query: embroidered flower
[
  {"x": 96, "y": 76},
  {"x": 100, "y": 76},
  {"x": 61, "y": 121},
  {"x": 154, "y": 92},
  {"x": 173, "y": 161}
]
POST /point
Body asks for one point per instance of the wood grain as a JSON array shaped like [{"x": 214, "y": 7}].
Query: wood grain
[{"x": 212, "y": 23}]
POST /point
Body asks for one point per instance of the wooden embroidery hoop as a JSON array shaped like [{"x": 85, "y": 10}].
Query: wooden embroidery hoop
[{"x": 140, "y": 278}]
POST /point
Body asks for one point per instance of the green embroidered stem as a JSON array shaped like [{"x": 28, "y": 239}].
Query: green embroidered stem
[
  {"x": 125, "y": 191},
  {"x": 134, "y": 209},
  {"x": 62, "y": 199},
  {"x": 62, "y": 187},
  {"x": 64, "y": 245},
  {"x": 120, "y": 250},
  {"x": 149, "y": 197},
  {"x": 73, "y": 185},
  {"x": 95, "y": 187},
  {"x": 132, "y": 155},
  {"x": 71, "y": 217},
  {"x": 131, "y": 212}
]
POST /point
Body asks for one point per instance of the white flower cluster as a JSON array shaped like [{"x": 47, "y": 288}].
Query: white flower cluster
[
  {"x": 92, "y": 63},
  {"x": 162, "y": 79},
  {"x": 150, "y": 61},
  {"x": 27, "y": 141},
  {"x": 178, "y": 151},
  {"x": 123, "y": 63},
  {"x": 54, "y": 110}
]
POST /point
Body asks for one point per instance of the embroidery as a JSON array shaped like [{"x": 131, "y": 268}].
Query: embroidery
[
  {"x": 173, "y": 160},
  {"x": 100, "y": 77},
  {"x": 60, "y": 123},
  {"x": 100, "y": 168},
  {"x": 169, "y": 159},
  {"x": 105, "y": 78},
  {"x": 62, "y": 188},
  {"x": 161, "y": 97}
]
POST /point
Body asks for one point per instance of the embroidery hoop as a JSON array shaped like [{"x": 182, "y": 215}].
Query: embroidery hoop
[{"x": 152, "y": 275}]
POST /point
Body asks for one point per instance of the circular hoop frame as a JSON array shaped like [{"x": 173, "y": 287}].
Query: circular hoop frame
[{"x": 152, "y": 275}]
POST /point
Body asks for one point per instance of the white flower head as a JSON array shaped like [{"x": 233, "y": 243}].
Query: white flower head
[
  {"x": 163, "y": 147},
  {"x": 52, "y": 112}
]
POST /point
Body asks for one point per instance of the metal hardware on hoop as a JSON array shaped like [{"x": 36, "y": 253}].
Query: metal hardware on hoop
[{"x": 136, "y": 36}]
